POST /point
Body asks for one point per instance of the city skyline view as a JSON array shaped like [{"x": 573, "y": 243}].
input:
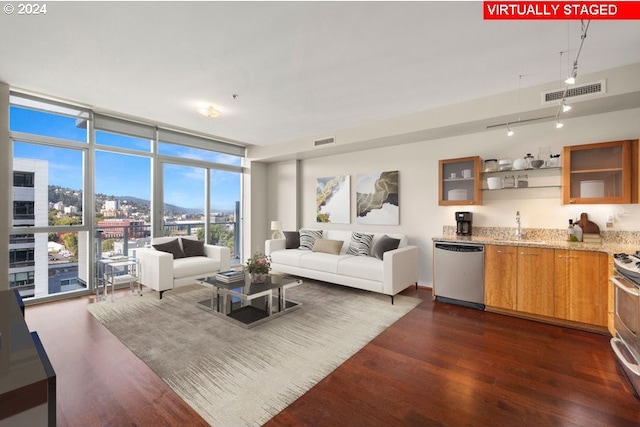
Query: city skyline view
[{"x": 124, "y": 175}]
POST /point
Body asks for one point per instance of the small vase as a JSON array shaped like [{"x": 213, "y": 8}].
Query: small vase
[{"x": 258, "y": 277}]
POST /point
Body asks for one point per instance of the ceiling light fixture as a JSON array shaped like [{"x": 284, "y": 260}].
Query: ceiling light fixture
[
  {"x": 509, "y": 131},
  {"x": 209, "y": 111},
  {"x": 563, "y": 107}
]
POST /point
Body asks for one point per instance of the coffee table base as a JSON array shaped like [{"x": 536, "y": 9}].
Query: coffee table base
[{"x": 249, "y": 315}]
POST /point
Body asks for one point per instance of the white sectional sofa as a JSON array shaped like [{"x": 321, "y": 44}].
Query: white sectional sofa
[
  {"x": 162, "y": 270},
  {"x": 397, "y": 269}
]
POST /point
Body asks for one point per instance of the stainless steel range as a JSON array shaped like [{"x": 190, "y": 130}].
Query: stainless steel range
[{"x": 626, "y": 343}]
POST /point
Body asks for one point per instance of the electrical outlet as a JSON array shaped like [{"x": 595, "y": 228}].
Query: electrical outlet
[{"x": 610, "y": 221}]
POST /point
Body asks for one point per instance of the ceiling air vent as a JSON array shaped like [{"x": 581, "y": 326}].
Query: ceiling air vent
[
  {"x": 576, "y": 92},
  {"x": 325, "y": 141}
]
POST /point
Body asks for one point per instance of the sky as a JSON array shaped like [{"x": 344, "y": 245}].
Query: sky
[{"x": 120, "y": 174}]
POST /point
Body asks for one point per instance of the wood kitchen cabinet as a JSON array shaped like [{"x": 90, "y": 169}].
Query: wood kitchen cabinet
[
  {"x": 535, "y": 283},
  {"x": 581, "y": 286},
  {"x": 500, "y": 276},
  {"x": 600, "y": 173},
  {"x": 456, "y": 186},
  {"x": 554, "y": 285}
]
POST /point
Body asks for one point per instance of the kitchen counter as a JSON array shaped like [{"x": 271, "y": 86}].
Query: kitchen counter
[{"x": 609, "y": 248}]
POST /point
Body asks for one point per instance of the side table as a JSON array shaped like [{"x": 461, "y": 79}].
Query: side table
[{"x": 118, "y": 272}]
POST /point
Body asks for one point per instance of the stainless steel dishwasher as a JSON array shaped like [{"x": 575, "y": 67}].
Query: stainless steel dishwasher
[{"x": 458, "y": 273}]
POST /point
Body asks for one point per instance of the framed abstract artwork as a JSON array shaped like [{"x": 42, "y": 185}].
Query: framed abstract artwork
[
  {"x": 333, "y": 199},
  {"x": 377, "y": 198}
]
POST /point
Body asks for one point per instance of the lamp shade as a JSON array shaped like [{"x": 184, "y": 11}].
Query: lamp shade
[{"x": 276, "y": 227}]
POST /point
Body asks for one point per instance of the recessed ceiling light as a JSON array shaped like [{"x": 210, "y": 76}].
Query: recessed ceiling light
[{"x": 209, "y": 111}]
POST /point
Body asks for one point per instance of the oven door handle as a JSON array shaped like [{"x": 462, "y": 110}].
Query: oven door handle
[
  {"x": 633, "y": 367},
  {"x": 633, "y": 291}
]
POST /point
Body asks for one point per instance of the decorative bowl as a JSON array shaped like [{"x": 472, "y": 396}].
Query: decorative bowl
[{"x": 537, "y": 164}]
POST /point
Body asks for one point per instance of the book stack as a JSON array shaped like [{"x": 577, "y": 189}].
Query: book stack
[
  {"x": 591, "y": 238},
  {"x": 230, "y": 276}
]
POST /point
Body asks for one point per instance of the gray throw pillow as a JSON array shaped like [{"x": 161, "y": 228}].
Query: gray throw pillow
[
  {"x": 292, "y": 239},
  {"x": 308, "y": 238},
  {"x": 172, "y": 246},
  {"x": 385, "y": 244},
  {"x": 192, "y": 247}
]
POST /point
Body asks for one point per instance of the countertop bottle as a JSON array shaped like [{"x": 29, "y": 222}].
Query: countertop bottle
[
  {"x": 571, "y": 235},
  {"x": 577, "y": 231}
]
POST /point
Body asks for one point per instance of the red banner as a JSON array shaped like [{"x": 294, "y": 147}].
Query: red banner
[{"x": 625, "y": 10}]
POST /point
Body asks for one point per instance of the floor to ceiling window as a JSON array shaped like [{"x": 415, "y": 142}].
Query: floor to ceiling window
[
  {"x": 48, "y": 182},
  {"x": 85, "y": 186}
]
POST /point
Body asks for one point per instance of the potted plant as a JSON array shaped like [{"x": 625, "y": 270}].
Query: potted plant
[{"x": 258, "y": 267}]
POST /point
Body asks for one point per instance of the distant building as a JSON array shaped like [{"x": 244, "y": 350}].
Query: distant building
[
  {"x": 111, "y": 205},
  {"x": 70, "y": 210},
  {"x": 28, "y": 259},
  {"x": 115, "y": 228}
]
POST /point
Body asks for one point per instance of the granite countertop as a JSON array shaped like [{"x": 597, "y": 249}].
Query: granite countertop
[{"x": 610, "y": 248}]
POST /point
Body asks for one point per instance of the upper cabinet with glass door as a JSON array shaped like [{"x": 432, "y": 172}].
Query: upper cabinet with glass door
[
  {"x": 459, "y": 181},
  {"x": 600, "y": 173}
]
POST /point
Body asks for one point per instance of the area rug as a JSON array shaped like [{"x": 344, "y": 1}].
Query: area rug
[{"x": 233, "y": 376}]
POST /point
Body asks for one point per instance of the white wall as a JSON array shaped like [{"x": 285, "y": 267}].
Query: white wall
[
  {"x": 283, "y": 194},
  {"x": 421, "y": 217}
]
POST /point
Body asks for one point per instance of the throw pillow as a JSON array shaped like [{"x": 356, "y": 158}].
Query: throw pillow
[
  {"x": 292, "y": 239},
  {"x": 328, "y": 246},
  {"x": 360, "y": 244},
  {"x": 192, "y": 247},
  {"x": 172, "y": 246},
  {"x": 308, "y": 238},
  {"x": 385, "y": 244}
]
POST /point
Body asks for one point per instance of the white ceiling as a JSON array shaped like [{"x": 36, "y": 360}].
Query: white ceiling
[{"x": 299, "y": 68}]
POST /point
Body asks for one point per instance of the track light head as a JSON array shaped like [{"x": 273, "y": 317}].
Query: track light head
[
  {"x": 565, "y": 107},
  {"x": 509, "y": 131},
  {"x": 571, "y": 80},
  {"x": 559, "y": 124}
]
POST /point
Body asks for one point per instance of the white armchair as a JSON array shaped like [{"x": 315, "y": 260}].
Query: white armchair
[{"x": 161, "y": 271}]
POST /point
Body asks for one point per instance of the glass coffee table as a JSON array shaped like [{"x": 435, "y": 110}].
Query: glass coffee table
[{"x": 249, "y": 304}]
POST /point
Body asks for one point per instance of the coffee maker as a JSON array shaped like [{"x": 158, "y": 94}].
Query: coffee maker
[{"x": 463, "y": 223}]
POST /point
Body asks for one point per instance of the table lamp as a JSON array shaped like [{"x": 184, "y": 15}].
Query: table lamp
[{"x": 276, "y": 227}]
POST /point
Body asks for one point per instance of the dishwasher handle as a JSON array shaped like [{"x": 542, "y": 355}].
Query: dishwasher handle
[{"x": 455, "y": 247}]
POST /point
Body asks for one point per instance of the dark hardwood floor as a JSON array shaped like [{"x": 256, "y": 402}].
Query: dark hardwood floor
[{"x": 440, "y": 365}]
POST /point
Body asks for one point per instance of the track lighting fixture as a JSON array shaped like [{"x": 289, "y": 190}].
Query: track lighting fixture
[
  {"x": 509, "y": 131},
  {"x": 563, "y": 107},
  {"x": 571, "y": 80}
]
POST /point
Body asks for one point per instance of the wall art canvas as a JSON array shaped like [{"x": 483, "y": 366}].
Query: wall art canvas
[
  {"x": 377, "y": 198},
  {"x": 333, "y": 199}
]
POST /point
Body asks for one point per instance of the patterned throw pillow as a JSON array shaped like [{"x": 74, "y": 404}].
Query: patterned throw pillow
[
  {"x": 360, "y": 244},
  {"x": 308, "y": 238}
]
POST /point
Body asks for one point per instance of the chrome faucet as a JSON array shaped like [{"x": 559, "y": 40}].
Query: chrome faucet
[{"x": 519, "y": 235}]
